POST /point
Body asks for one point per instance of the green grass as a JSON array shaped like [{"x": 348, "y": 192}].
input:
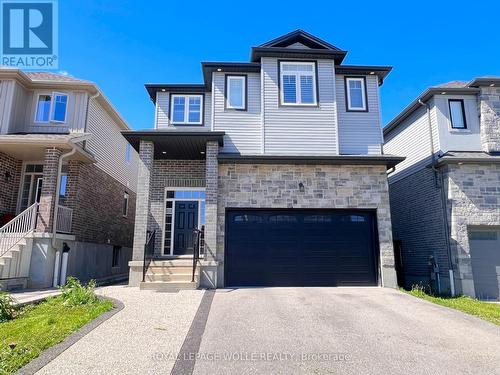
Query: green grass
[
  {"x": 484, "y": 310},
  {"x": 41, "y": 326}
]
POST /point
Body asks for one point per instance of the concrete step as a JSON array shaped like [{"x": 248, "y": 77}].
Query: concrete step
[
  {"x": 169, "y": 270},
  {"x": 178, "y": 277},
  {"x": 6, "y": 267},
  {"x": 14, "y": 263},
  {"x": 167, "y": 286},
  {"x": 178, "y": 262}
]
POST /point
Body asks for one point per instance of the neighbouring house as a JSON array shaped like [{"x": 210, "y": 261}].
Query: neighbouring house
[
  {"x": 68, "y": 182},
  {"x": 278, "y": 162},
  {"x": 445, "y": 197}
]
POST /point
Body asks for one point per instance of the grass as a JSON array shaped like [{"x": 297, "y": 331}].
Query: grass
[
  {"x": 41, "y": 326},
  {"x": 484, "y": 310}
]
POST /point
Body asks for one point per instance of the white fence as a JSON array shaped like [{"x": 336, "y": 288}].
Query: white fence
[{"x": 16, "y": 229}]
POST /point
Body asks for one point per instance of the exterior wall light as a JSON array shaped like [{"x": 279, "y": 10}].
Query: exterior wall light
[{"x": 301, "y": 187}]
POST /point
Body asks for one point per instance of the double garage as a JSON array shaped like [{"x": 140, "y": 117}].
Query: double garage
[{"x": 292, "y": 247}]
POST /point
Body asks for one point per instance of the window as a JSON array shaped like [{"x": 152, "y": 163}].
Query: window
[
  {"x": 125, "y": 204},
  {"x": 236, "y": 92},
  {"x": 298, "y": 83},
  {"x": 51, "y": 108},
  {"x": 186, "y": 109},
  {"x": 356, "y": 94},
  {"x": 127, "y": 152},
  {"x": 116, "y": 256},
  {"x": 63, "y": 189},
  {"x": 457, "y": 114}
]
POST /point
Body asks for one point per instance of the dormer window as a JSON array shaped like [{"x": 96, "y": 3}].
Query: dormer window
[
  {"x": 457, "y": 114},
  {"x": 298, "y": 83},
  {"x": 186, "y": 109},
  {"x": 51, "y": 108},
  {"x": 356, "y": 94}
]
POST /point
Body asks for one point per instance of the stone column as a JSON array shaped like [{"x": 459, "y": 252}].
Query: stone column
[
  {"x": 49, "y": 186},
  {"x": 490, "y": 118}
]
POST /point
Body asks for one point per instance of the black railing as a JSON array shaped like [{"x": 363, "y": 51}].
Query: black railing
[
  {"x": 197, "y": 234},
  {"x": 149, "y": 250}
]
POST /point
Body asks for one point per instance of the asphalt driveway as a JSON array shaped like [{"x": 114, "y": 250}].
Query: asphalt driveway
[{"x": 338, "y": 330}]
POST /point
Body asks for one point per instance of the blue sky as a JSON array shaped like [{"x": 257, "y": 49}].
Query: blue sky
[{"x": 123, "y": 44}]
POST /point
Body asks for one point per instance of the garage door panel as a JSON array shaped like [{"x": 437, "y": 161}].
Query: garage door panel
[{"x": 300, "y": 247}]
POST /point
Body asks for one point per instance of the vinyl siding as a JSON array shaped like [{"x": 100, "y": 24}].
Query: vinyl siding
[
  {"x": 300, "y": 130},
  {"x": 411, "y": 139},
  {"x": 359, "y": 132},
  {"x": 162, "y": 120},
  {"x": 19, "y": 114},
  {"x": 243, "y": 128},
  {"x": 6, "y": 95},
  {"x": 109, "y": 147}
]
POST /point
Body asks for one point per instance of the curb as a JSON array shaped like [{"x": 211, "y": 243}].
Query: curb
[{"x": 51, "y": 353}]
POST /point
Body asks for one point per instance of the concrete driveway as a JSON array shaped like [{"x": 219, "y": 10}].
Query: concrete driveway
[{"x": 337, "y": 330}]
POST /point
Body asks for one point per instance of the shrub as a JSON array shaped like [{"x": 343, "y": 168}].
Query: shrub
[
  {"x": 76, "y": 294},
  {"x": 7, "y": 308}
]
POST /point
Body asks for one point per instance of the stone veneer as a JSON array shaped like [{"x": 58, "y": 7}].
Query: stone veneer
[
  {"x": 9, "y": 189},
  {"x": 473, "y": 200},
  {"x": 326, "y": 186},
  {"x": 490, "y": 118}
]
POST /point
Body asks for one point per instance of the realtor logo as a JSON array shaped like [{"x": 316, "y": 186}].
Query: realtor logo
[{"x": 29, "y": 34}]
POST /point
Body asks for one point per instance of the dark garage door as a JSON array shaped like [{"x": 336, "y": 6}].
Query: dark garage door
[{"x": 300, "y": 248}]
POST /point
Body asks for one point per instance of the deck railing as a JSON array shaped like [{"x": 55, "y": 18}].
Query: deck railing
[
  {"x": 18, "y": 228},
  {"x": 64, "y": 219},
  {"x": 149, "y": 250}
]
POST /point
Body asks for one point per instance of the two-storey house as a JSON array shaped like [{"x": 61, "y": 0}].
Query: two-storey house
[
  {"x": 445, "y": 197},
  {"x": 278, "y": 161},
  {"x": 68, "y": 182}
]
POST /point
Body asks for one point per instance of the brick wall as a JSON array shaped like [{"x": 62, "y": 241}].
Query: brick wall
[
  {"x": 9, "y": 190},
  {"x": 49, "y": 186}
]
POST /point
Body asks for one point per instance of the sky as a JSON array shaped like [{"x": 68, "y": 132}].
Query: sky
[{"x": 121, "y": 45}]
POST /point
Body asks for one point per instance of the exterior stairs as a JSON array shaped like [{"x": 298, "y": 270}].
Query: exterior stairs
[
  {"x": 170, "y": 275},
  {"x": 14, "y": 265}
]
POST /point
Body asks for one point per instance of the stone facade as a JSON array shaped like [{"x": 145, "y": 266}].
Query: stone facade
[
  {"x": 326, "y": 186},
  {"x": 490, "y": 118},
  {"x": 473, "y": 192},
  {"x": 10, "y": 175}
]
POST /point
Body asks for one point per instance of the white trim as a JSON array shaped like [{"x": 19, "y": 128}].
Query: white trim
[
  {"x": 243, "y": 79},
  {"x": 21, "y": 183},
  {"x": 212, "y": 104},
  {"x": 36, "y": 108},
  {"x": 52, "y": 107},
  {"x": 186, "y": 109},
  {"x": 363, "y": 93},
  {"x": 297, "y": 76},
  {"x": 262, "y": 114}
]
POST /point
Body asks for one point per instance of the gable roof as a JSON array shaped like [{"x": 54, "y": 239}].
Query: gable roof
[{"x": 302, "y": 37}]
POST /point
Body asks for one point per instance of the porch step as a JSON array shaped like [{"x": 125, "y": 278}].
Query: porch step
[
  {"x": 172, "y": 263},
  {"x": 177, "y": 277},
  {"x": 167, "y": 286},
  {"x": 169, "y": 270}
]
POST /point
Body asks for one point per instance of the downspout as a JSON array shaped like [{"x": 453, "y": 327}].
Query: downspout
[
  {"x": 87, "y": 114},
  {"x": 439, "y": 185}
]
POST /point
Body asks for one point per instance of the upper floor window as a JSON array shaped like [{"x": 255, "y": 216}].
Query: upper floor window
[
  {"x": 457, "y": 114},
  {"x": 236, "y": 92},
  {"x": 128, "y": 151},
  {"x": 356, "y": 94},
  {"x": 186, "y": 109},
  {"x": 298, "y": 83},
  {"x": 51, "y": 108}
]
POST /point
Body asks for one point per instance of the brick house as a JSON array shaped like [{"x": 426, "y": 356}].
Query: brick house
[
  {"x": 67, "y": 181},
  {"x": 445, "y": 197},
  {"x": 278, "y": 161}
]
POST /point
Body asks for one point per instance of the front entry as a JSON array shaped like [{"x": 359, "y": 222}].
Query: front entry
[{"x": 186, "y": 220}]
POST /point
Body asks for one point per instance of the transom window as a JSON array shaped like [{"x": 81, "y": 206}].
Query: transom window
[
  {"x": 356, "y": 94},
  {"x": 298, "y": 83},
  {"x": 457, "y": 114},
  {"x": 51, "y": 107},
  {"x": 186, "y": 109},
  {"x": 236, "y": 92}
]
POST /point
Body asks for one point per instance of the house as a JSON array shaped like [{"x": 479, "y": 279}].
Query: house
[
  {"x": 68, "y": 182},
  {"x": 278, "y": 162},
  {"x": 445, "y": 197}
]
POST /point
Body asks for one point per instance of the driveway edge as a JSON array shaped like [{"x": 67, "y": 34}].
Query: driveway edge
[{"x": 51, "y": 353}]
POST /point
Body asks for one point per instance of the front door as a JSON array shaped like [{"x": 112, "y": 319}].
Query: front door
[
  {"x": 185, "y": 221},
  {"x": 31, "y": 190}
]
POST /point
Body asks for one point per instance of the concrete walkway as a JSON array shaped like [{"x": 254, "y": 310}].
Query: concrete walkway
[{"x": 143, "y": 338}]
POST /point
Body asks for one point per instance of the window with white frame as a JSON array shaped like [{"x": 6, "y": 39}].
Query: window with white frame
[
  {"x": 125, "y": 204},
  {"x": 51, "y": 108},
  {"x": 236, "y": 92},
  {"x": 186, "y": 109},
  {"x": 457, "y": 114},
  {"x": 128, "y": 151},
  {"x": 298, "y": 83},
  {"x": 356, "y": 94}
]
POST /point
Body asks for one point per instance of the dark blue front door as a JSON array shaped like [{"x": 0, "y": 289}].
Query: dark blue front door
[{"x": 185, "y": 221}]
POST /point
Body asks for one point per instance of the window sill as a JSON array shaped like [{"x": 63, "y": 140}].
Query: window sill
[
  {"x": 459, "y": 131},
  {"x": 288, "y": 105}
]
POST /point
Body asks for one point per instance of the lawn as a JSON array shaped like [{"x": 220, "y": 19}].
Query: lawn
[
  {"x": 485, "y": 310},
  {"x": 40, "y": 327}
]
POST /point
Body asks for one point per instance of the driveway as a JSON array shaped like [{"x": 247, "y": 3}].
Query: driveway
[{"x": 340, "y": 330}]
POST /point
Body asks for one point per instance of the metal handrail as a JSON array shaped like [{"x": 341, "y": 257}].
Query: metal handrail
[
  {"x": 149, "y": 250},
  {"x": 18, "y": 228},
  {"x": 196, "y": 250}
]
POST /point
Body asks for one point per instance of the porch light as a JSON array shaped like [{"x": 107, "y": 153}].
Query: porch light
[
  {"x": 301, "y": 187},
  {"x": 7, "y": 177}
]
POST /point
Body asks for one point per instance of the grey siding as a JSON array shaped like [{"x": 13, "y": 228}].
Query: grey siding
[
  {"x": 162, "y": 120},
  {"x": 359, "y": 132},
  {"x": 300, "y": 130},
  {"x": 243, "y": 128},
  {"x": 418, "y": 222},
  {"x": 19, "y": 114},
  {"x": 6, "y": 95},
  {"x": 109, "y": 147}
]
